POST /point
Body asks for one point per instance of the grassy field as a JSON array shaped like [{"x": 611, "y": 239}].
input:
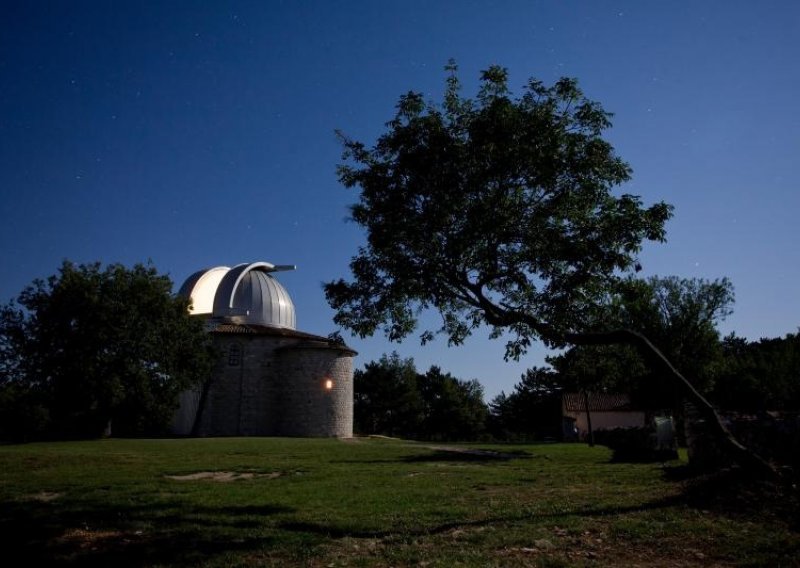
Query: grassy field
[{"x": 366, "y": 502}]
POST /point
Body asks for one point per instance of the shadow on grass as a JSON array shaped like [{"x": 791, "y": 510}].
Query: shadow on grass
[
  {"x": 453, "y": 455},
  {"x": 333, "y": 531},
  {"x": 102, "y": 534},
  {"x": 728, "y": 493},
  {"x": 465, "y": 455},
  {"x": 736, "y": 493}
]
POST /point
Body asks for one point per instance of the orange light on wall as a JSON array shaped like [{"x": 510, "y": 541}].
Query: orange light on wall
[{"x": 328, "y": 384}]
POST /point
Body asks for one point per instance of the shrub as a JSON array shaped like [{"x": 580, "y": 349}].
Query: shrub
[{"x": 636, "y": 444}]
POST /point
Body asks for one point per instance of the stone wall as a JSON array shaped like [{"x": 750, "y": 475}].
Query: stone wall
[
  {"x": 265, "y": 385},
  {"x": 317, "y": 393}
]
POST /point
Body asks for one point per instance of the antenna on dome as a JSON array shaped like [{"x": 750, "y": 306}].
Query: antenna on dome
[{"x": 283, "y": 267}]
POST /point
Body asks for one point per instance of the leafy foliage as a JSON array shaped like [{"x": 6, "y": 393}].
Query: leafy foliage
[
  {"x": 496, "y": 211},
  {"x": 500, "y": 211},
  {"x": 92, "y": 346},
  {"x": 679, "y": 315},
  {"x": 759, "y": 375},
  {"x": 532, "y": 411},
  {"x": 453, "y": 409},
  {"x": 635, "y": 444},
  {"x": 601, "y": 368},
  {"x": 386, "y": 399},
  {"x": 392, "y": 399}
]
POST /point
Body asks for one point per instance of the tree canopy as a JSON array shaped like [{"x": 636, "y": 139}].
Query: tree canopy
[
  {"x": 500, "y": 210},
  {"x": 393, "y": 399},
  {"x": 759, "y": 375},
  {"x": 90, "y": 346},
  {"x": 679, "y": 315},
  {"x": 494, "y": 210},
  {"x": 532, "y": 411},
  {"x": 386, "y": 400}
]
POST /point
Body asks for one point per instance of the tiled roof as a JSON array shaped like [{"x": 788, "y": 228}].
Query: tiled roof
[
  {"x": 231, "y": 328},
  {"x": 261, "y": 330},
  {"x": 309, "y": 339},
  {"x": 598, "y": 402}
]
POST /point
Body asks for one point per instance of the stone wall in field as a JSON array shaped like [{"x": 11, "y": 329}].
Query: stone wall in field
[{"x": 272, "y": 382}]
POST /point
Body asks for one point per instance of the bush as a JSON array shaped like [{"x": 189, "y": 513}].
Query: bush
[
  {"x": 636, "y": 444},
  {"x": 775, "y": 438}
]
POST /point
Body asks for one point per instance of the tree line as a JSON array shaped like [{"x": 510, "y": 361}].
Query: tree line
[
  {"x": 93, "y": 347},
  {"x": 392, "y": 398},
  {"x": 681, "y": 316}
]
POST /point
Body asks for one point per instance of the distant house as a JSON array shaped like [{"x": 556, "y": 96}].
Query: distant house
[{"x": 607, "y": 411}]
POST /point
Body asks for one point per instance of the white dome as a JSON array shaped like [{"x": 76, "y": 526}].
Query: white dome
[
  {"x": 244, "y": 294},
  {"x": 201, "y": 287}
]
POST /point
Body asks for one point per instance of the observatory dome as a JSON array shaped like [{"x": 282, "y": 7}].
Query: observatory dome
[{"x": 244, "y": 294}]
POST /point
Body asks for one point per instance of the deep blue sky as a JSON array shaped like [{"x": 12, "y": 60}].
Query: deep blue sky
[{"x": 199, "y": 134}]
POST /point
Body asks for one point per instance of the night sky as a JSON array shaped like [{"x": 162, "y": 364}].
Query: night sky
[{"x": 202, "y": 134}]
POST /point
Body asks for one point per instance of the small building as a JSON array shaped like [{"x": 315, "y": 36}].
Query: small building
[
  {"x": 607, "y": 411},
  {"x": 271, "y": 379}
]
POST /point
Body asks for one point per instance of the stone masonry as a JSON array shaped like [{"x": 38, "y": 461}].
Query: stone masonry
[{"x": 273, "y": 382}]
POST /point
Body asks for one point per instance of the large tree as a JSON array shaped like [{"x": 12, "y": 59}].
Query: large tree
[
  {"x": 760, "y": 375},
  {"x": 93, "y": 346},
  {"x": 532, "y": 411},
  {"x": 386, "y": 398},
  {"x": 453, "y": 409},
  {"x": 497, "y": 211},
  {"x": 393, "y": 399}
]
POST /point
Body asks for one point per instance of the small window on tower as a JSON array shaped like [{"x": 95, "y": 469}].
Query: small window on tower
[{"x": 235, "y": 355}]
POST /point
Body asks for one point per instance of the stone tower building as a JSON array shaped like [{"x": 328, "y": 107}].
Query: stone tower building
[{"x": 271, "y": 380}]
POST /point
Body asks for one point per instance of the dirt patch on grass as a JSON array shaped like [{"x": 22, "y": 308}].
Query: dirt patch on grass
[
  {"x": 224, "y": 476},
  {"x": 92, "y": 539},
  {"x": 598, "y": 547},
  {"x": 42, "y": 496},
  {"x": 479, "y": 454},
  {"x": 89, "y": 539}
]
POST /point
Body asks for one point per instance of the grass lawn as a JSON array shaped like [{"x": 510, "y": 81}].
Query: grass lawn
[{"x": 366, "y": 502}]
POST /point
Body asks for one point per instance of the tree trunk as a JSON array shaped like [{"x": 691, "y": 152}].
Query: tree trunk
[{"x": 588, "y": 418}]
